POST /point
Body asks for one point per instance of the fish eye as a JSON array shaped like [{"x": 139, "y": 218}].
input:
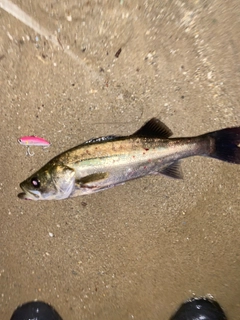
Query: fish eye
[{"x": 35, "y": 182}]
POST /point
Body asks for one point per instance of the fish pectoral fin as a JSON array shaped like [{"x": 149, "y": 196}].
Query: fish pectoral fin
[
  {"x": 90, "y": 179},
  {"x": 154, "y": 128},
  {"x": 174, "y": 170}
]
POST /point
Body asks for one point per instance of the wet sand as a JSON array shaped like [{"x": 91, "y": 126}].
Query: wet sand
[{"x": 135, "y": 251}]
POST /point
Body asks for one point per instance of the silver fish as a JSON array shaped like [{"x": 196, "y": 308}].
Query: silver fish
[{"x": 105, "y": 162}]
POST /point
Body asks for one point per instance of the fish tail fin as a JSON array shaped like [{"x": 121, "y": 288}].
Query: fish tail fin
[{"x": 225, "y": 144}]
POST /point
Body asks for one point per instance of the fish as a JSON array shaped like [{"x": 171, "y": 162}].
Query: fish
[
  {"x": 102, "y": 163},
  {"x": 33, "y": 141}
]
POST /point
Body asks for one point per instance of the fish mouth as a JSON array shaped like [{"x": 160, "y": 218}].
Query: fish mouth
[
  {"x": 23, "y": 196},
  {"x": 27, "y": 195}
]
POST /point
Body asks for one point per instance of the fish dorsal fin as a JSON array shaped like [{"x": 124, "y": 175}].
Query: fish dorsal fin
[
  {"x": 154, "y": 128},
  {"x": 173, "y": 170},
  {"x": 100, "y": 139}
]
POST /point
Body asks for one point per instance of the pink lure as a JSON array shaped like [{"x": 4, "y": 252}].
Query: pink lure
[{"x": 33, "y": 141}]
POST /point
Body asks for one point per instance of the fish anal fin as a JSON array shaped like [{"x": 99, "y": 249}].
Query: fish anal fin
[
  {"x": 174, "y": 170},
  {"x": 91, "y": 178},
  {"x": 153, "y": 128}
]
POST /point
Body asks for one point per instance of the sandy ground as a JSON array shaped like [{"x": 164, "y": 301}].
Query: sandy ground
[{"x": 135, "y": 251}]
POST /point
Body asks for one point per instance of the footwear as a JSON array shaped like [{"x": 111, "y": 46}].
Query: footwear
[
  {"x": 199, "y": 309},
  {"x": 36, "y": 310}
]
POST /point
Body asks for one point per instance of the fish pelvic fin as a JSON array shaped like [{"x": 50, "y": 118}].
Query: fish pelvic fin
[
  {"x": 153, "y": 128},
  {"x": 225, "y": 145}
]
